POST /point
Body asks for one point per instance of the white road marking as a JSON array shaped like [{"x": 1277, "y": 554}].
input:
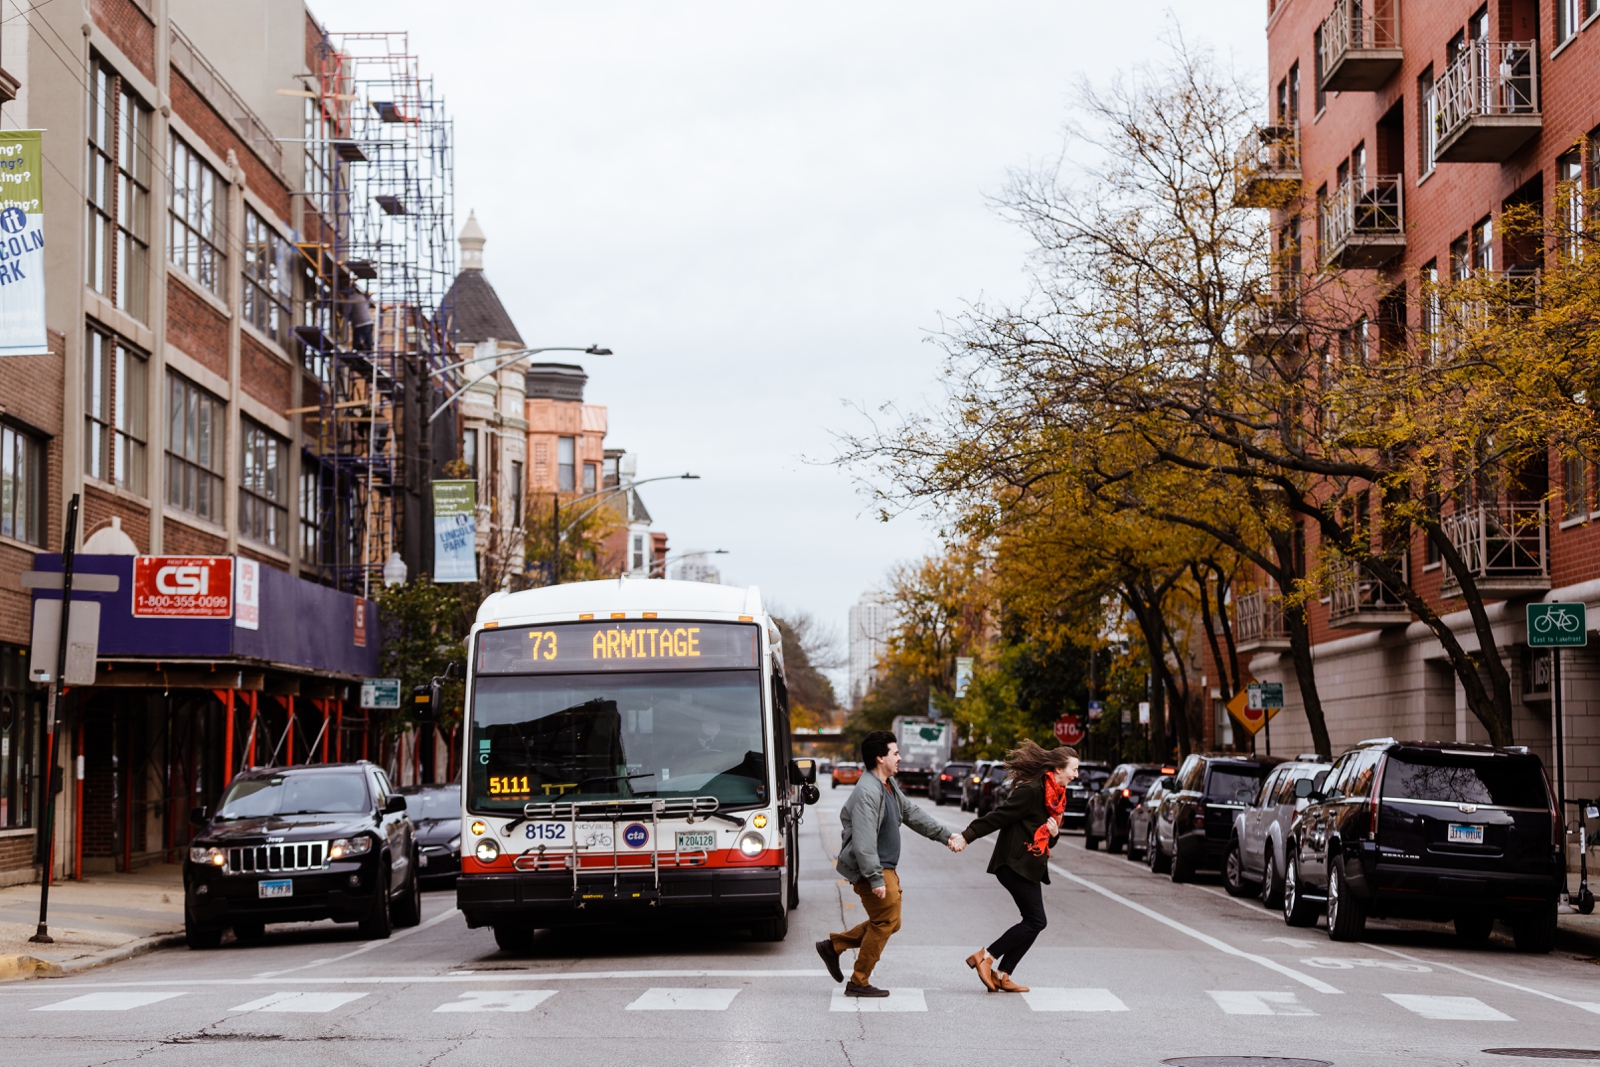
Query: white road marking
[
  {"x": 1459, "y": 1009},
  {"x": 1221, "y": 946},
  {"x": 498, "y": 1000},
  {"x": 1040, "y": 999},
  {"x": 1584, "y": 1004},
  {"x": 475, "y": 978},
  {"x": 1292, "y": 942},
  {"x": 897, "y": 1000},
  {"x": 1236, "y": 1002},
  {"x": 108, "y": 1001},
  {"x": 369, "y": 946},
  {"x": 684, "y": 1000},
  {"x": 301, "y": 1002}
]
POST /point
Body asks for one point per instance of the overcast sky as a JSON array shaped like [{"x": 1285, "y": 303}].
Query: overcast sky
[{"x": 764, "y": 209}]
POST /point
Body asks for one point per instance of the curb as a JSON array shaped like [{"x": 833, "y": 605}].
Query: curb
[
  {"x": 14, "y": 966},
  {"x": 18, "y": 967}
]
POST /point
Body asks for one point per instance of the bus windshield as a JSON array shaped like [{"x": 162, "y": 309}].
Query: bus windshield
[{"x": 616, "y": 735}]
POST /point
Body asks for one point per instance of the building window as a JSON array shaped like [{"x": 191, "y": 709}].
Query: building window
[
  {"x": 194, "y": 449},
  {"x": 1574, "y": 488},
  {"x": 1483, "y": 246},
  {"x": 315, "y": 491},
  {"x": 198, "y": 219},
  {"x": 1570, "y": 17},
  {"x": 263, "y": 486},
  {"x": 117, "y": 190},
  {"x": 19, "y": 712},
  {"x": 518, "y": 487},
  {"x": 22, "y": 481},
  {"x": 116, "y": 399},
  {"x": 469, "y": 452},
  {"x": 638, "y": 552},
  {"x": 1316, "y": 51},
  {"x": 1427, "y": 121},
  {"x": 268, "y": 279},
  {"x": 566, "y": 464},
  {"x": 591, "y": 477},
  {"x": 1431, "y": 312}
]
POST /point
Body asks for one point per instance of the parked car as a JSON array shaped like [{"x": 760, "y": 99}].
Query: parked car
[
  {"x": 948, "y": 782},
  {"x": 435, "y": 811},
  {"x": 1195, "y": 820},
  {"x": 972, "y": 785},
  {"x": 1091, "y": 776},
  {"x": 824, "y": 766},
  {"x": 1107, "y": 816},
  {"x": 845, "y": 773},
  {"x": 299, "y": 844},
  {"x": 1256, "y": 854},
  {"x": 1141, "y": 819},
  {"x": 1429, "y": 830},
  {"x": 992, "y": 790}
]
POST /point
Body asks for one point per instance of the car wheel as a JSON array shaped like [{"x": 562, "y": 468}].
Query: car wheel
[
  {"x": 248, "y": 933},
  {"x": 407, "y": 910},
  {"x": 1233, "y": 879},
  {"x": 1474, "y": 927},
  {"x": 1090, "y": 842},
  {"x": 1347, "y": 916},
  {"x": 770, "y": 929},
  {"x": 200, "y": 937},
  {"x": 938, "y": 797},
  {"x": 517, "y": 940},
  {"x": 1535, "y": 931},
  {"x": 835, "y": 784},
  {"x": 1182, "y": 870},
  {"x": 378, "y": 924},
  {"x": 1271, "y": 882},
  {"x": 1160, "y": 862},
  {"x": 1297, "y": 911}
]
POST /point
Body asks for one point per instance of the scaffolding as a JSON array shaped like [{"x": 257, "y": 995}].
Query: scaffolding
[{"x": 378, "y": 249}]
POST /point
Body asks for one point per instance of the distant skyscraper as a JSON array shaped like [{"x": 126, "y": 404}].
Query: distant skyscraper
[
  {"x": 697, "y": 567},
  {"x": 871, "y": 623}
]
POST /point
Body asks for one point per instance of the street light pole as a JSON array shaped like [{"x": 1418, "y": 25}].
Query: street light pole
[
  {"x": 509, "y": 358},
  {"x": 557, "y": 534}
]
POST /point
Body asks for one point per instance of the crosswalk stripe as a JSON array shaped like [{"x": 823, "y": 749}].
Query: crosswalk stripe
[
  {"x": 1460, "y": 1009},
  {"x": 108, "y": 1001},
  {"x": 498, "y": 1000},
  {"x": 1043, "y": 999},
  {"x": 897, "y": 1000},
  {"x": 684, "y": 1000},
  {"x": 301, "y": 1002},
  {"x": 1269, "y": 1002}
]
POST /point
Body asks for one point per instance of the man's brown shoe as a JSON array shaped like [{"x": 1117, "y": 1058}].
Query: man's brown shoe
[
  {"x": 853, "y": 990},
  {"x": 1007, "y": 985},
  {"x": 983, "y": 963},
  {"x": 830, "y": 956}
]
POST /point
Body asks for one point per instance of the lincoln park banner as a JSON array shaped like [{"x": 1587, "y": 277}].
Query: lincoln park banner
[
  {"x": 22, "y": 328},
  {"x": 455, "y": 531}
]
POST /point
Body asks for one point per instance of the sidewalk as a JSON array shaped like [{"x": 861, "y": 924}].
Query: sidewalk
[
  {"x": 1579, "y": 933},
  {"x": 102, "y": 918}
]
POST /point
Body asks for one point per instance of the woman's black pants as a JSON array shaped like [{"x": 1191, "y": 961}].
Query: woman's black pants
[{"x": 1012, "y": 945}]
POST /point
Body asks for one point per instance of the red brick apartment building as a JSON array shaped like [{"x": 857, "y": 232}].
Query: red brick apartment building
[{"x": 1446, "y": 111}]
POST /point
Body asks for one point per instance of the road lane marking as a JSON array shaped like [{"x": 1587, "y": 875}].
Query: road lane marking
[
  {"x": 1292, "y": 942},
  {"x": 498, "y": 1000},
  {"x": 1040, "y": 999},
  {"x": 1271, "y": 1002},
  {"x": 369, "y": 946},
  {"x": 897, "y": 1000},
  {"x": 1221, "y": 946},
  {"x": 1455, "y": 1009},
  {"x": 1350, "y": 963},
  {"x": 299, "y": 1002},
  {"x": 684, "y": 1000},
  {"x": 109, "y": 1001},
  {"x": 475, "y": 977},
  {"x": 1588, "y": 1006}
]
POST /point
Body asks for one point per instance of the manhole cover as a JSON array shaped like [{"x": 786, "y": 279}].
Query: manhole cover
[
  {"x": 1548, "y": 1053},
  {"x": 1244, "y": 1061}
]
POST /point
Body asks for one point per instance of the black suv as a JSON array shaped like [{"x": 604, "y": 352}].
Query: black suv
[
  {"x": 1195, "y": 822},
  {"x": 300, "y": 844},
  {"x": 1107, "y": 816},
  {"x": 1429, "y": 830},
  {"x": 1091, "y": 776},
  {"x": 948, "y": 782}
]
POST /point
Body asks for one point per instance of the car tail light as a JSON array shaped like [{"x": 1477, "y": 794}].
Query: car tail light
[
  {"x": 1199, "y": 817},
  {"x": 1127, "y": 792},
  {"x": 1375, "y": 801}
]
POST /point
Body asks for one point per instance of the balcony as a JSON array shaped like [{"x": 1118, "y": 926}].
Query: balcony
[
  {"x": 1361, "y": 602},
  {"x": 1359, "y": 45},
  {"x": 1487, "y": 103},
  {"x": 1505, "y": 548},
  {"x": 1363, "y": 223},
  {"x": 1266, "y": 169},
  {"x": 1273, "y": 321},
  {"x": 1258, "y": 624}
]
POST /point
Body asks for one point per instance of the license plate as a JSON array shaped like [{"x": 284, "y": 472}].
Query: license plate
[
  {"x": 697, "y": 840},
  {"x": 272, "y": 890},
  {"x": 1464, "y": 834}
]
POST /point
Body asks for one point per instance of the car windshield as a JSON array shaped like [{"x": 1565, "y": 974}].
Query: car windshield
[
  {"x": 434, "y": 804},
  {"x": 1142, "y": 779},
  {"x": 316, "y": 793},
  {"x": 1093, "y": 779},
  {"x": 1503, "y": 781},
  {"x": 615, "y": 736},
  {"x": 1233, "y": 785}
]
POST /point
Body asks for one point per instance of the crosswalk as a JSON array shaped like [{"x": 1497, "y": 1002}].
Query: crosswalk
[{"x": 696, "y": 998}]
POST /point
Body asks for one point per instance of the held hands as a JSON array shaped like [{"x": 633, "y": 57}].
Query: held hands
[{"x": 956, "y": 843}]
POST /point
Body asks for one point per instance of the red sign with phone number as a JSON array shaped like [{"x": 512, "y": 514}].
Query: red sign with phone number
[{"x": 183, "y": 587}]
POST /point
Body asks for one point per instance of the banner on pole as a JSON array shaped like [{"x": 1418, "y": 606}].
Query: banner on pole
[
  {"x": 22, "y": 325},
  {"x": 455, "y": 531}
]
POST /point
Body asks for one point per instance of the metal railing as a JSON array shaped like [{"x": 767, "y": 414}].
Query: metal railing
[
  {"x": 1488, "y": 78},
  {"x": 261, "y": 859},
  {"x": 1355, "y": 592},
  {"x": 1365, "y": 206},
  {"x": 1501, "y": 540},
  {"x": 1258, "y": 618},
  {"x": 1269, "y": 151},
  {"x": 1358, "y": 26},
  {"x": 221, "y": 96}
]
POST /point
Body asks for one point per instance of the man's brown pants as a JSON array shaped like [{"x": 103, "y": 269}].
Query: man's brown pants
[{"x": 883, "y": 919}]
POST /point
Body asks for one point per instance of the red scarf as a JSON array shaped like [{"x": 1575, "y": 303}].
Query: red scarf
[{"x": 1055, "y": 802}]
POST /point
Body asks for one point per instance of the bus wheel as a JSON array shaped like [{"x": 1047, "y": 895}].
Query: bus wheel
[
  {"x": 517, "y": 940},
  {"x": 770, "y": 929}
]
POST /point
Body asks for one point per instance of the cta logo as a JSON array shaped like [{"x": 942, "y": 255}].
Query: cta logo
[
  {"x": 183, "y": 587},
  {"x": 636, "y": 835}
]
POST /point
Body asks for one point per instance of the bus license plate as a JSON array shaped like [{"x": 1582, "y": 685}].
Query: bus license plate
[
  {"x": 271, "y": 890},
  {"x": 1460, "y": 834},
  {"x": 697, "y": 840}
]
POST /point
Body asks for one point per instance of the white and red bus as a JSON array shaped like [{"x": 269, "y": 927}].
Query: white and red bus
[{"x": 627, "y": 756}]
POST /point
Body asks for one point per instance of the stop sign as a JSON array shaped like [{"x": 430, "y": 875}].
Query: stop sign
[{"x": 1069, "y": 731}]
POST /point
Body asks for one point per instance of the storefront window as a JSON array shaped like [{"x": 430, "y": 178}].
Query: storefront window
[{"x": 19, "y": 716}]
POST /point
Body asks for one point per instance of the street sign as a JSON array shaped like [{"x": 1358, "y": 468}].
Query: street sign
[
  {"x": 1265, "y": 696},
  {"x": 1069, "y": 731},
  {"x": 1558, "y": 625},
  {"x": 963, "y": 675},
  {"x": 1096, "y": 709},
  {"x": 381, "y": 693},
  {"x": 1253, "y": 705}
]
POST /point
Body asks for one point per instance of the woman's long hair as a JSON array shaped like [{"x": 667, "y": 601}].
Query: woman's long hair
[{"x": 1029, "y": 762}]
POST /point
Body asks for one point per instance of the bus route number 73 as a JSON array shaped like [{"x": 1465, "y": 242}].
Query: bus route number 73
[{"x": 543, "y": 644}]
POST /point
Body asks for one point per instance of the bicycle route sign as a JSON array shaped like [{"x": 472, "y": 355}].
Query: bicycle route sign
[{"x": 1557, "y": 626}]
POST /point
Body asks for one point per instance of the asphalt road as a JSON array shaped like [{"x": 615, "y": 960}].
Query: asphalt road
[{"x": 1133, "y": 970}]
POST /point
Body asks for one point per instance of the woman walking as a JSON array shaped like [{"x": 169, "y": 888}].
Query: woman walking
[{"x": 1029, "y": 823}]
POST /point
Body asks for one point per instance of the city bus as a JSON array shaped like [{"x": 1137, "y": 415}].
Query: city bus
[{"x": 627, "y": 757}]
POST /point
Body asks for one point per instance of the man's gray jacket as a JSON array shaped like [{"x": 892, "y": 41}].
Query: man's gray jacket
[{"x": 861, "y": 818}]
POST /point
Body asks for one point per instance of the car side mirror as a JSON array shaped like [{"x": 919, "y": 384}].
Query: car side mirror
[
  {"x": 802, "y": 772},
  {"x": 1303, "y": 788},
  {"x": 199, "y": 816},
  {"x": 395, "y": 805}
]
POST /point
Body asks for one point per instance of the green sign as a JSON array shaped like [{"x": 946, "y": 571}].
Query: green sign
[
  {"x": 1557, "y": 626},
  {"x": 1265, "y": 696},
  {"x": 381, "y": 693}
]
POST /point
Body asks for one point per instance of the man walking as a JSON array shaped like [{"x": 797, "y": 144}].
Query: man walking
[{"x": 869, "y": 851}]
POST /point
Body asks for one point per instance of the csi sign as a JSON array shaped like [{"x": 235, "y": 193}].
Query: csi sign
[{"x": 183, "y": 587}]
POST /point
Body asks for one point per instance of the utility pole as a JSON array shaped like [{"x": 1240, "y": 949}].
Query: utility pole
[{"x": 42, "y": 935}]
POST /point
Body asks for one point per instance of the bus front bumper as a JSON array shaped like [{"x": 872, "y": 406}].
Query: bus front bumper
[{"x": 546, "y": 899}]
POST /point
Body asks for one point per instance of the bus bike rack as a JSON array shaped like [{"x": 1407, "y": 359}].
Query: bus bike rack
[{"x": 614, "y": 812}]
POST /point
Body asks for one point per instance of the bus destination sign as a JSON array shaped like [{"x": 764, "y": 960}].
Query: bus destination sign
[{"x": 647, "y": 644}]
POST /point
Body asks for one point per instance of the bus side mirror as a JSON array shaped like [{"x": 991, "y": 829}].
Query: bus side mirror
[
  {"x": 802, "y": 772},
  {"x": 425, "y": 702}
]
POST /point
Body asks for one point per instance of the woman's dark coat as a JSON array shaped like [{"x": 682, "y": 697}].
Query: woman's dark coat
[{"x": 1023, "y": 813}]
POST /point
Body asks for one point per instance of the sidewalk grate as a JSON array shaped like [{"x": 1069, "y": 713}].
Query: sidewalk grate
[{"x": 1244, "y": 1061}]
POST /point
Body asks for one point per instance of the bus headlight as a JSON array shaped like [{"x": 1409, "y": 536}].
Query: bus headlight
[
  {"x": 345, "y": 847},
  {"x": 488, "y": 851},
  {"x": 751, "y": 843}
]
